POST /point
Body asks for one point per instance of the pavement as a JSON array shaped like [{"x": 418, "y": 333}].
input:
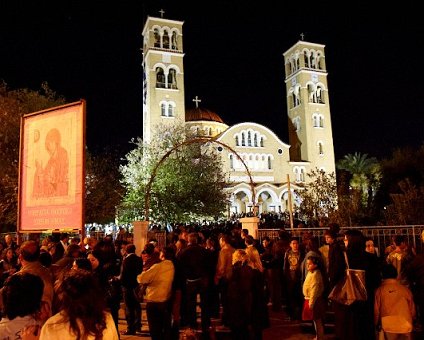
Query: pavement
[{"x": 280, "y": 328}]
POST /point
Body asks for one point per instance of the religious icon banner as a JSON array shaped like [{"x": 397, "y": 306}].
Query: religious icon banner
[{"x": 51, "y": 185}]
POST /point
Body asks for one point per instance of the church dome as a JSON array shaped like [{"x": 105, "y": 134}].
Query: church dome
[{"x": 202, "y": 114}]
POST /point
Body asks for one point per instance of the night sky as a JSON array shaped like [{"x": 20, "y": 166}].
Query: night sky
[{"x": 233, "y": 62}]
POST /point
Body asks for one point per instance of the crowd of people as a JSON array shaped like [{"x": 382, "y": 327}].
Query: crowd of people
[{"x": 73, "y": 288}]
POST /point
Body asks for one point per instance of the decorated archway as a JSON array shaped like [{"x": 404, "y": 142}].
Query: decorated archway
[{"x": 202, "y": 141}]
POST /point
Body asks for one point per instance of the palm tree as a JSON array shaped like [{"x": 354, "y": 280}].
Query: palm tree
[{"x": 365, "y": 172}]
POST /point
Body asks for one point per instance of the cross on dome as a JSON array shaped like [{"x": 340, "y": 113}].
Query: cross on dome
[{"x": 197, "y": 101}]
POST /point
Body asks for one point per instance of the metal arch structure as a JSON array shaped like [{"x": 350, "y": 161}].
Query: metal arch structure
[{"x": 197, "y": 140}]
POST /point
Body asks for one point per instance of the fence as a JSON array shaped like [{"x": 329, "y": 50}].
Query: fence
[{"x": 381, "y": 235}]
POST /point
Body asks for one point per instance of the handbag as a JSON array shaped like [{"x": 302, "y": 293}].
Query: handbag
[{"x": 351, "y": 288}]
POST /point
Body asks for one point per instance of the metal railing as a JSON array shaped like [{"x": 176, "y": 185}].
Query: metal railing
[{"x": 381, "y": 235}]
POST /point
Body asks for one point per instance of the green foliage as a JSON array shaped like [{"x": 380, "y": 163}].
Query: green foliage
[
  {"x": 188, "y": 183},
  {"x": 13, "y": 105},
  {"x": 319, "y": 197},
  {"x": 365, "y": 176}
]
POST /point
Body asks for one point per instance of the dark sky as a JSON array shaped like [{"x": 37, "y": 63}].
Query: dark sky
[{"x": 233, "y": 62}]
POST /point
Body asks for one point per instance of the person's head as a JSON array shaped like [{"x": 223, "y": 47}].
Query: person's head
[
  {"x": 266, "y": 241},
  {"x": 330, "y": 236},
  {"x": 8, "y": 240},
  {"x": 240, "y": 255},
  {"x": 82, "y": 263},
  {"x": 82, "y": 303},
  {"x": 181, "y": 244},
  {"x": 248, "y": 240},
  {"x": 73, "y": 250},
  {"x": 244, "y": 233},
  {"x": 354, "y": 241},
  {"x": 167, "y": 253},
  {"x": 388, "y": 271},
  {"x": 193, "y": 238},
  {"x": 369, "y": 245},
  {"x": 130, "y": 248},
  {"x": 21, "y": 295},
  {"x": 149, "y": 249},
  {"x": 30, "y": 251},
  {"x": 95, "y": 258},
  {"x": 64, "y": 237},
  {"x": 9, "y": 254},
  {"x": 45, "y": 259},
  {"x": 311, "y": 244},
  {"x": 312, "y": 263},
  {"x": 294, "y": 244},
  {"x": 400, "y": 241},
  {"x": 224, "y": 239}
]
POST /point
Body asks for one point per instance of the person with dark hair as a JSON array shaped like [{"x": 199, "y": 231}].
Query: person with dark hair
[
  {"x": 61, "y": 247},
  {"x": 132, "y": 265},
  {"x": 29, "y": 254},
  {"x": 103, "y": 271},
  {"x": 82, "y": 263},
  {"x": 196, "y": 266},
  {"x": 72, "y": 252},
  {"x": 8, "y": 264},
  {"x": 158, "y": 279},
  {"x": 82, "y": 312},
  {"x": 355, "y": 321},
  {"x": 292, "y": 261},
  {"x": 394, "y": 308},
  {"x": 21, "y": 304}
]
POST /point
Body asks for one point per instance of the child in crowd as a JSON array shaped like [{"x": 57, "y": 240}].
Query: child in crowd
[{"x": 314, "y": 304}]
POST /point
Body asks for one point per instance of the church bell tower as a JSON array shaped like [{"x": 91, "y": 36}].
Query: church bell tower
[
  {"x": 163, "y": 74},
  {"x": 308, "y": 107}
]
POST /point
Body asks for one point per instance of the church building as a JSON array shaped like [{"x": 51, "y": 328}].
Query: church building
[{"x": 274, "y": 167}]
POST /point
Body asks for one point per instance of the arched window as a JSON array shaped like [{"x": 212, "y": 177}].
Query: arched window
[
  {"x": 321, "y": 121},
  {"x": 237, "y": 140},
  {"x": 172, "y": 79},
  {"x": 243, "y": 141},
  {"x": 319, "y": 95},
  {"x": 249, "y": 138},
  {"x": 174, "y": 42},
  {"x": 312, "y": 97},
  {"x": 163, "y": 109},
  {"x": 255, "y": 139},
  {"x": 302, "y": 174},
  {"x": 160, "y": 77},
  {"x": 269, "y": 163},
  {"x": 157, "y": 37},
  {"x": 262, "y": 142},
  {"x": 231, "y": 162},
  {"x": 171, "y": 110},
  {"x": 165, "y": 40}
]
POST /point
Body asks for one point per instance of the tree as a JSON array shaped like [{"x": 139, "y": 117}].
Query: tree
[
  {"x": 189, "y": 184},
  {"x": 365, "y": 175},
  {"x": 13, "y": 105},
  {"x": 407, "y": 206},
  {"x": 103, "y": 190},
  {"x": 319, "y": 197}
]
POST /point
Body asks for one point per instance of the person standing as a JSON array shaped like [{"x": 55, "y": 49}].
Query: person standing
[
  {"x": 223, "y": 272},
  {"x": 394, "y": 308},
  {"x": 132, "y": 266},
  {"x": 158, "y": 279},
  {"x": 313, "y": 289}
]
